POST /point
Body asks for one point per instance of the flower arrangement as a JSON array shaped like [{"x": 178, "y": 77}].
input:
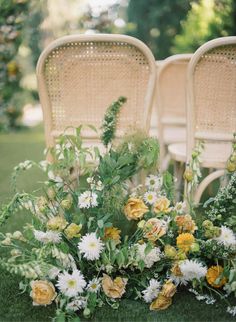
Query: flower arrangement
[{"x": 97, "y": 237}]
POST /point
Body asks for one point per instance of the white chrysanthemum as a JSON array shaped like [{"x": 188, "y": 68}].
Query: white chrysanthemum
[
  {"x": 152, "y": 257},
  {"x": 151, "y": 291},
  {"x": 91, "y": 246},
  {"x": 87, "y": 199},
  {"x": 94, "y": 285},
  {"x": 192, "y": 269},
  {"x": 77, "y": 304},
  {"x": 71, "y": 284},
  {"x": 150, "y": 197},
  {"x": 180, "y": 207},
  {"x": 48, "y": 236},
  {"x": 153, "y": 182},
  {"x": 226, "y": 237},
  {"x": 178, "y": 280}
]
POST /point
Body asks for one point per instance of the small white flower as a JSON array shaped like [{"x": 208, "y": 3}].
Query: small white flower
[
  {"x": 78, "y": 303},
  {"x": 27, "y": 164},
  {"x": 71, "y": 284},
  {"x": 94, "y": 285},
  {"x": 226, "y": 237},
  {"x": 91, "y": 246},
  {"x": 149, "y": 259},
  {"x": 231, "y": 310},
  {"x": 44, "y": 164},
  {"x": 87, "y": 199},
  {"x": 47, "y": 237},
  {"x": 53, "y": 273},
  {"x": 192, "y": 269},
  {"x": 58, "y": 180},
  {"x": 180, "y": 207},
  {"x": 153, "y": 182},
  {"x": 150, "y": 197},
  {"x": 152, "y": 291}
]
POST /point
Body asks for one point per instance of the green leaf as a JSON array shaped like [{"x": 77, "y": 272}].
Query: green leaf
[{"x": 100, "y": 223}]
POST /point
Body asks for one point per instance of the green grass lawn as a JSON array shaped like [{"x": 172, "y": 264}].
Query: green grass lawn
[{"x": 29, "y": 144}]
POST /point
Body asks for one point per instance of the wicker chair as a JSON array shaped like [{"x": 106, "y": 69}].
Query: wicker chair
[
  {"x": 211, "y": 108},
  {"x": 171, "y": 103},
  {"x": 79, "y": 76}
]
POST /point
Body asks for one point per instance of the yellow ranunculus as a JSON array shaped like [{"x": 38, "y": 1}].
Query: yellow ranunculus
[
  {"x": 185, "y": 241},
  {"x": 154, "y": 228},
  {"x": 161, "y": 303},
  {"x": 57, "y": 223},
  {"x": 112, "y": 233},
  {"x": 185, "y": 224},
  {"x": 43, "y": 292},
  {"x": 162, "y": 205},
  {"x": 135, "y": 209},
  {"x": 72, "y": 231},
  {"x": 113, "y": 288},
  {"x": 213, "y": 273}
]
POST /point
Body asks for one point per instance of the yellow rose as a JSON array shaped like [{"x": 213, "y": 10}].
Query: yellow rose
[
  {"x": 112, "y": 233},
  {"x": 43, "y": 292},
  {"x": 135, "y": 209},
  {"x": 161, "y": 303},
  {"x": 57, "y": 223},
  {"x": 168, "y": 289},
  {"x": 154, "y": 229},
  {"x": 162, "y": 205},
  {"x": 73, "y": 231},
  {"x": 113, "y": 288},
  {"x": 213, "y": 274}
]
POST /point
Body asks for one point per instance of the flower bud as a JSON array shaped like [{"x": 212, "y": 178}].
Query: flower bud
[
  {"x": 51, "y": 193},
  {"x": 188, "y": 175},
  {"x": 195, "y": 247},
  {"x": 231, "y": 166},
  {"x": 207, "y": 224},
  {"x": 170, "y": 251}
]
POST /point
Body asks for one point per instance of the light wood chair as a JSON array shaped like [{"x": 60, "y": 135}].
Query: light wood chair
[
  {"x": 79, "y": 76},
  {"x": 211, "y": 108},
  {"x": 171, "y": 102}
]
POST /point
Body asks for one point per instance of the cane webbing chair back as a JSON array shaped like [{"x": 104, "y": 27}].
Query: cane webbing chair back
[
  {"x": 171, "y": 86},
  {"x": 79, "y": 76},
  {"x": 212, "y": 93}
]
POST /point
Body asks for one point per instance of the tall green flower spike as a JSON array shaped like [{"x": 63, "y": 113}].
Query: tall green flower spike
[{"x": 110, "y": 120}]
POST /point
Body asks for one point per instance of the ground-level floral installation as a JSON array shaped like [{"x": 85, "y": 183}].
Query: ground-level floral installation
[{"x": 105, "y": 227}]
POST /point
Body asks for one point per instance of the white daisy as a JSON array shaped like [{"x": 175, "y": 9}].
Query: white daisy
[
  {"x": 153, "y": 182},
  {"x": 192, "y": 269},
  {"x": 87, "y": 199},
  {"x": 78, "y": 303},
  {"x": 178, "y": 280},
  {"x": 94, "y": 285},
  {"x": 47, "y": 237},
  {"x": 226, "y": 237},
  {"x": 180, "y": 207},
  {"x": 91, "y": 246},
  {"x": 150, "y": 197},
  {"x": 71, "y": 284},
  {"x": 152, "y": 291},
  {"x": 149, "y": 259}
]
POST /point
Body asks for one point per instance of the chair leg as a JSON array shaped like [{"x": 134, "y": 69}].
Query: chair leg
[
  {"x": 205, "y": 182},
  {"x": 178, "y": 175}
]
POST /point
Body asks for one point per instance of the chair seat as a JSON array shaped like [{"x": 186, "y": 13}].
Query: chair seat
[
  {"x": 171, "y": 134},
  {"x": 213, "y": 156}
]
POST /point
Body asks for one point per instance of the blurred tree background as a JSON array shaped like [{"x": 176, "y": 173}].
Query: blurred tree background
[{"x": 166, "y": 26}]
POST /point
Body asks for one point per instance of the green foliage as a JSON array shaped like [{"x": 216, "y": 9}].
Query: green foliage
[
  {"x": 12, "y": 18},
  {"x": 156, "y": 22},
  {"x": 223, "y": 206},
  {"x": 207, "y": 19},
  {"x": 110, "y": 120}
]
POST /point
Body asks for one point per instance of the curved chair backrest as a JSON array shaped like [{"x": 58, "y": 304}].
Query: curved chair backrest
[
  {"x": 79, "y": 76},
  {"x": 171, "y": 89},
  {"x": 211, "y": 99}
]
